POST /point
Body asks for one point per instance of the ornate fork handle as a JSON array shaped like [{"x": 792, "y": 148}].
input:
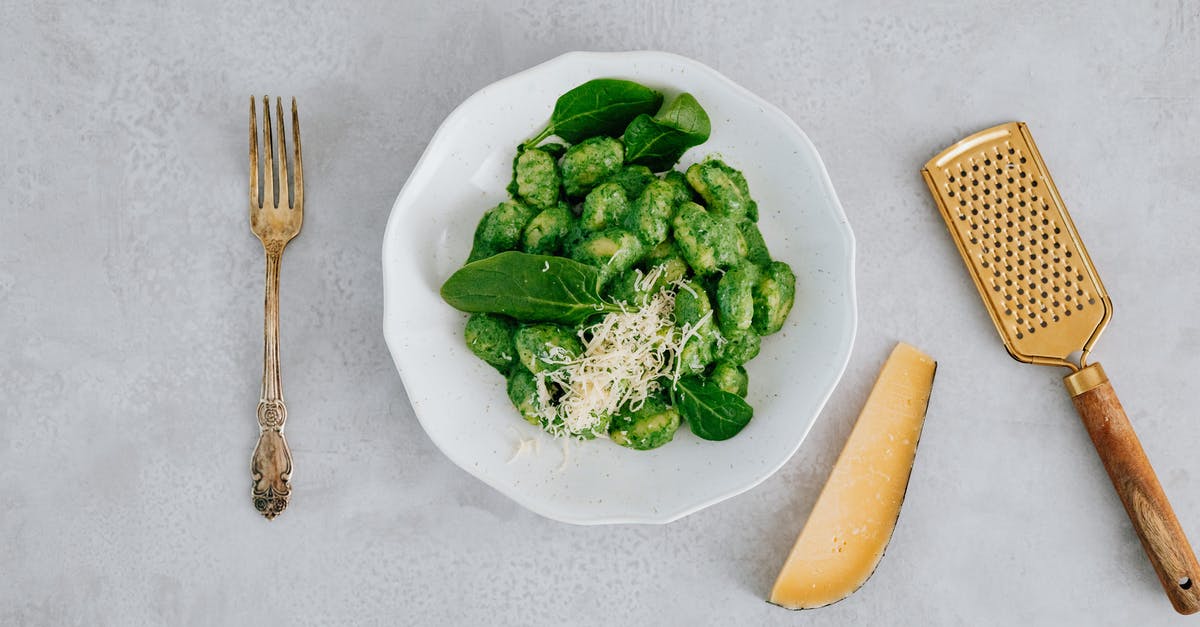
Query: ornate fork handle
[{"x": 271, "y": 466}]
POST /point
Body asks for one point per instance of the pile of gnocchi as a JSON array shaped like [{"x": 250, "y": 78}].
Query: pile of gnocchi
[{"x": 617, "y": 251}]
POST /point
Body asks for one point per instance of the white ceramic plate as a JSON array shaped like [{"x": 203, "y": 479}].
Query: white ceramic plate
[{"x": 461, "y": 401}]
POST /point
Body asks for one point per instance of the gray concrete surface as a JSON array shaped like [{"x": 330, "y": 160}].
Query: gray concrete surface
[{"x": 130, "y": 295}]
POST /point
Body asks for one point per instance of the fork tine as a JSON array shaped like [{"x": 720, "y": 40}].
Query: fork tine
[
  {"x": 297, "y": 162},
  {"x": 285, "y": 201},
  {"x": 269, "y": 164},
  {"x": 254, "y": 203}
]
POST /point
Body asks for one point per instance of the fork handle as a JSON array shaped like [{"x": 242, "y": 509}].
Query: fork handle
[
  {"x": 1134, "y": 479},
  {"x": 271, "y": 464}
]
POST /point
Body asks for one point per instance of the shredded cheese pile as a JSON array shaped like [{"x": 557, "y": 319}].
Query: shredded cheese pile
[{"x": 625, "y": 356}]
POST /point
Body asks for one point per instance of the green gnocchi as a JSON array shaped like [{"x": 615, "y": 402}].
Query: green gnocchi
[{"x": 674, "y": 264}]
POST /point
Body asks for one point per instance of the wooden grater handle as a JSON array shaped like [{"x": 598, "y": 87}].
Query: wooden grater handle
[{"x": 1135, "y": 481}]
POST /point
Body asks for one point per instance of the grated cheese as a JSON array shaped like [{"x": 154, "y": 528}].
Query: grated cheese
[{"x": 625, "y": 355}]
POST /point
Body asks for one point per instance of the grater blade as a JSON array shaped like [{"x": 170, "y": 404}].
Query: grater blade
[{"x": 1020, "y": 246}]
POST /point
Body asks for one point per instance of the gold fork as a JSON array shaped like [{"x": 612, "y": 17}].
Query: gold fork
[{"x": 275, "y": 219}]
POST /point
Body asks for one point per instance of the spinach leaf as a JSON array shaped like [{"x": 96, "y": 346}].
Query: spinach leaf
[
  {"x": 603, "y": 106},
  {"x": 712, "y": 413},
  {"x": 529, "y": 288},
  {"x": 685, "y": 114},
  {"x": 659, "y": 142},
  {"x": 653, "y": 144}
]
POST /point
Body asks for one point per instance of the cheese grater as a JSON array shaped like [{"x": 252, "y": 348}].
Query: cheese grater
[{"x": 1046, "y": 300}]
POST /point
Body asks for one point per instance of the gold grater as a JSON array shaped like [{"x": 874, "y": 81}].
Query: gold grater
[{"x": 1046, "y": 300}]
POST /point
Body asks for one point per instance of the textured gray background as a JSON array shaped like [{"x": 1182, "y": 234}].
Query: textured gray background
[{"x": 130, "y": 320}]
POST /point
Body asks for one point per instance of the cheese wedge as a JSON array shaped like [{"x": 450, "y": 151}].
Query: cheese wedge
[{"x": 854, "y": 517}]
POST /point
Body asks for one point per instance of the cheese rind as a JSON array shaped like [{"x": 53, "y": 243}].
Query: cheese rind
[{"x": 853, "y": 519}]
